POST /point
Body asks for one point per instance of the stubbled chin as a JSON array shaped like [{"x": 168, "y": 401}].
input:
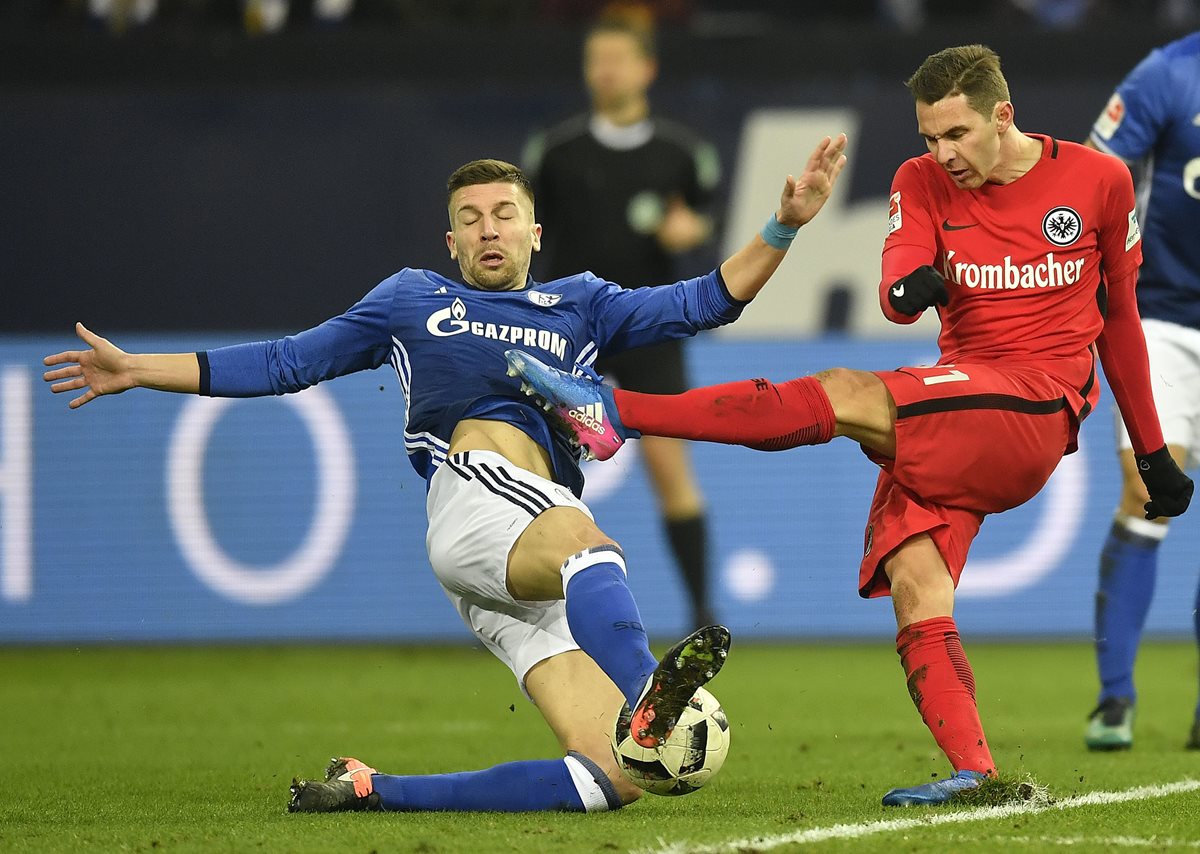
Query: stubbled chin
[{"x": 493, "y": 280}]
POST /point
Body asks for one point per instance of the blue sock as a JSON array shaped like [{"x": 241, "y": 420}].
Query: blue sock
[
  {"x": 604, "y": 619},
  {"x": 528, "y": 786},
  {"x": 1128, "y": 569},
  {"x": 1196, "y": 627}
]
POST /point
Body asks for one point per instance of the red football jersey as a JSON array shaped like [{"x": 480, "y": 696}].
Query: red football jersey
[{"x": 1028, "y": 265}]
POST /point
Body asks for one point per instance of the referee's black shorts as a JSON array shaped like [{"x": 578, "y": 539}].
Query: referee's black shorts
[{"x": 657, "y": 369}]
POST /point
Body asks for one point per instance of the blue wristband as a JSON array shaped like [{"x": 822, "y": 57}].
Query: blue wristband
[{"x": 776, "y": 234}]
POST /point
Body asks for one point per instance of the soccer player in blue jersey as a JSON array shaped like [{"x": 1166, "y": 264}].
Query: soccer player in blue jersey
[
  {"x": 1152, "y": 121},
  {"x": 517, "y": 552}
]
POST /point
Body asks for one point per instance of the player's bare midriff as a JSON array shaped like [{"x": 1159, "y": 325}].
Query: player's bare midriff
[{"x": 475, "y": 434}]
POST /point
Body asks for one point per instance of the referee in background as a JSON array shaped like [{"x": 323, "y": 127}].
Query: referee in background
[{"x": 621, "y": 193}]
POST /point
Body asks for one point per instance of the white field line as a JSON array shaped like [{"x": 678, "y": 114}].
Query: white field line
[
  {"x": 1095, "y": 843},
  {"x": 856, "y": 831}
]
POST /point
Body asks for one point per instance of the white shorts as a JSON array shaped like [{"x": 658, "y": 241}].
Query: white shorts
[
  {"x": 1174, "y": 352},
  {"x": 478, "y": 505}
]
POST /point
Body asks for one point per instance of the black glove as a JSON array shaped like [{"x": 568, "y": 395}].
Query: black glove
[
  {"x": 917, "y": 291},
  {"x": 1170, "y": 489}
]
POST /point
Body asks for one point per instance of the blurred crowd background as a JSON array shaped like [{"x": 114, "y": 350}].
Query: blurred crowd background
[
  {"x": 264, "y": 17},
  {"x": 280, "y": 156}
]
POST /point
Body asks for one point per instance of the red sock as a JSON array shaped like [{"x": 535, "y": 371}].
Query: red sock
[
  {"x": 942, "y": 686},
  {"x": 755, "y": 413}
]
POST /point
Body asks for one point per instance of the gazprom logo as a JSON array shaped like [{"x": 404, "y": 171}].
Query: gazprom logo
[
  {"x": 449, "y": 321},
  {"x": 452, "y": 321}
]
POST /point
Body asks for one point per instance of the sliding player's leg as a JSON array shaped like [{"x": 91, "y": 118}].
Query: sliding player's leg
[
  {"x": 578, "y": 702},
  {"x": 604, "y": 618},
  {"x": 506, "y": 538},
  {"x": 577, "y": 698}
]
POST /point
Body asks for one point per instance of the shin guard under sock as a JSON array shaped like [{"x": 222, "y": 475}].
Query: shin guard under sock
[
  {"x": 942, "y": 687},
  {"x": 756, "y": 413},
  {"x": 604, "y": 619}
]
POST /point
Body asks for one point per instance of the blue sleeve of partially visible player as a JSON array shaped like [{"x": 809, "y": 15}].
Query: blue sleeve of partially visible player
[
  {"x": 354, "y": 341},
  {"x": 622, "y": 319},
  {"x": 1138, "y": 110}
]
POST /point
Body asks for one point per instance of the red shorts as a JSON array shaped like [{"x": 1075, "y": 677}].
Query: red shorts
[{"x": 971, "y": 439}]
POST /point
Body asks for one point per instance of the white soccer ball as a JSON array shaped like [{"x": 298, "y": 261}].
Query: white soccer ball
[{"x": 689, "y": 758}]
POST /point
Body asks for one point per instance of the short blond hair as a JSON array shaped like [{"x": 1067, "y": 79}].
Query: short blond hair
[{"x": 972, "y": 70}]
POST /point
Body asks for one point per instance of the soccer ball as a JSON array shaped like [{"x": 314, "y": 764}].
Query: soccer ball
[{"x": 687, "y": 760}]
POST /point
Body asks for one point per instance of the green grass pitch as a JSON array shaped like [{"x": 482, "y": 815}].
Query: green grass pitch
[{"x": 192, "y": 749}]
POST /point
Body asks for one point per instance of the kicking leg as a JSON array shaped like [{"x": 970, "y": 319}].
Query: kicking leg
[{"x": 756, "y": 413}]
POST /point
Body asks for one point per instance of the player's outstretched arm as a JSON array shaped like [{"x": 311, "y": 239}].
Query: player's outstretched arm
[
  {"x": 105, "y": 368},
  {"x": 747, "y": 270}
]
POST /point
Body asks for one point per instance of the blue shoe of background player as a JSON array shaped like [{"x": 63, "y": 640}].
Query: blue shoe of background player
[
  {"x": 937, "y": 792},
  {"x": 1110, "y": 725},
  {"x": 583, "y": 405}
]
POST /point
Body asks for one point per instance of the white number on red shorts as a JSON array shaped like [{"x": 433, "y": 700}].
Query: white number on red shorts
[{"x": 952, "y": 375}]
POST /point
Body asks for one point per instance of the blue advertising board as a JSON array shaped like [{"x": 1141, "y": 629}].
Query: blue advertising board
[{"x": 159, "y": 517}]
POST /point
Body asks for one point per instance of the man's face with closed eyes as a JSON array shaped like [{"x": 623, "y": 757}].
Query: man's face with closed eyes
[{"x": 492, "y": 235}]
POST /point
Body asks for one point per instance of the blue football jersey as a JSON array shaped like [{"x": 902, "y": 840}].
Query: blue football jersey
[
  {"x": 1154, "y": 118},
  {"x": 446, "y": 342}
]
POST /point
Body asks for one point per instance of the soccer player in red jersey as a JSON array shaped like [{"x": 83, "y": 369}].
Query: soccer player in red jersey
[{"x": 1028, "y": 248}]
